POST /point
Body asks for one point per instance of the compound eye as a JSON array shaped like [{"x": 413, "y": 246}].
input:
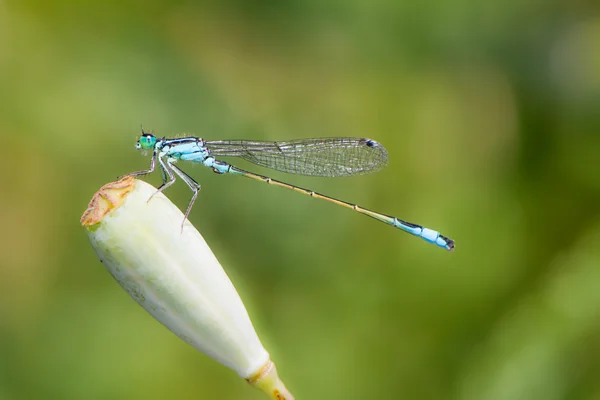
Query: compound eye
[{"x": 147, "y": 141}]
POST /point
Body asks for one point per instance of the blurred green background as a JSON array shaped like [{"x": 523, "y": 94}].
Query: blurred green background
[{"x": 490, "y": 112}]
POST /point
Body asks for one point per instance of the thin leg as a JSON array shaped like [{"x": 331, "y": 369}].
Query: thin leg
[
  {"x": 166, "y": 170},
  {"x": 192, "y": 184},
  {"x": 148, "y": 171},
  {"x": 163, "y": 174}
]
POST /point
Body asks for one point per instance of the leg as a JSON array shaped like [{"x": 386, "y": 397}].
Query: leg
[
  {"x": 166, "y": 170},
  {"x": 163, "y": 174},
  {"x": 145, "y": 172},
  {"x": 192, "y": 184}
]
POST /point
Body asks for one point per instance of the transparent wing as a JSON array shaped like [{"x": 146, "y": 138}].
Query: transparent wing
[{"x": 341, "y": 156}]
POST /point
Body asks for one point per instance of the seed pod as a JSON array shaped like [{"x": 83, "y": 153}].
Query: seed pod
[{"x": 173, "y": 274}]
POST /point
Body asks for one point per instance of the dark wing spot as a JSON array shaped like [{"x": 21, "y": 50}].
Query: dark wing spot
[{"x": 368, "y": 142}]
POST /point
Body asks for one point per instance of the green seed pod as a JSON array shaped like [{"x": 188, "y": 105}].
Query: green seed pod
[{"x": 173, "y": 274}]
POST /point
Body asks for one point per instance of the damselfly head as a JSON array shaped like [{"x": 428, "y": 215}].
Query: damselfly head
[{"x": 146, "y": 142}]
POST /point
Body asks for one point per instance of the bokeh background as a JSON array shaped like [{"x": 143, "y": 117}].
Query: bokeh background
[{"x": 490, "y": 112}]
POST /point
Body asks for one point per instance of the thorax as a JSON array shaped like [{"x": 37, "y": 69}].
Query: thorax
[{"x": 183, "y": 148}]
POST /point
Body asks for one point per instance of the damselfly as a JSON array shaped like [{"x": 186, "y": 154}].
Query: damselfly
[{"x": 330, "y": 157}]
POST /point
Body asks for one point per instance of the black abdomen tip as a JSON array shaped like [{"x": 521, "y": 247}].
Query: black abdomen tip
[{"x": 449, "y": 243}]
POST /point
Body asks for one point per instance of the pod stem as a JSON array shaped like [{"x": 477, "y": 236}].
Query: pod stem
[{"x": 267, "y": 380}]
